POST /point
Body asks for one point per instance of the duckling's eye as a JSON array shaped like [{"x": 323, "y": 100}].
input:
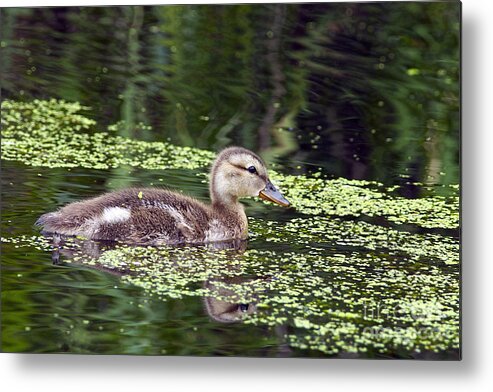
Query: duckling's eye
[
  {"x": 243, "y": 307},
  {"x": 252, "y": 169}
]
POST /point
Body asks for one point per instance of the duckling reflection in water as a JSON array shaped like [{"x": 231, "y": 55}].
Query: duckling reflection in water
[
  {"x": 222, "y": 303},
  {"x": 223, "y": 308},
  {"x": 156, "y": 216}
]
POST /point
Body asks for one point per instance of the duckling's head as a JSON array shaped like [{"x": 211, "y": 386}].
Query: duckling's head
[{"x": 238, "y": 172}]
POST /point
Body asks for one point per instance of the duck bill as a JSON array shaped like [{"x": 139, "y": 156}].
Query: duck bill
[{"x": 271, "y": 193}]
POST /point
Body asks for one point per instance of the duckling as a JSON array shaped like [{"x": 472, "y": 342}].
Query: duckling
[{"x": 151, "y": 216}]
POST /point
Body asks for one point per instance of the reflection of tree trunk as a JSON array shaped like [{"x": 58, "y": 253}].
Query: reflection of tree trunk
[
  {"x": 335, "y": 130},
  {"x": 283, "y": 349},
  {"x": 343, "y": 149},
  {"x": 434, "y": 164},
  {"x": 277, "y": 77},
  {"x": 284, "y": 141},
  {"x": 7, "y": 33},
  {"x": 130, "y": 93}
]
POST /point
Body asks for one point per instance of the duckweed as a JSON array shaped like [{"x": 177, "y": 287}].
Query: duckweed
[
  {"x": 53, "y": 134},
  {"x": 359, "y": 234},
  {"x": 400, "y": 295},
  {"x": 344, "y": 197}
]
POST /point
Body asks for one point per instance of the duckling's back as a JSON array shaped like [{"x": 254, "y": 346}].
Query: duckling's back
[{"x": 136, "y": 215}]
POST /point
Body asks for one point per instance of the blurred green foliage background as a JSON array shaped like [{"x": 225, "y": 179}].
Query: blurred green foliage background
[{"x": 365, "y": 91}]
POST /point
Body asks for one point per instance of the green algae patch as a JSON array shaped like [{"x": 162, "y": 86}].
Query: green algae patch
[
  {"x": 366, "y": 296},
  {"x": 51, "y": 134},
  {"x": 337, "y": 233},
  {"x": 344, "y": 197},
  {"x": 54, "y": 133}
]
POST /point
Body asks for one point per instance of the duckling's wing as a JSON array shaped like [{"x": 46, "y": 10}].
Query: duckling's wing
[{"x": 138, "y": 215}]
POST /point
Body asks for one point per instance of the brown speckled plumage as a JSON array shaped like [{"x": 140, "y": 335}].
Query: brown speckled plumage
[{"x": 157, "y": 216}]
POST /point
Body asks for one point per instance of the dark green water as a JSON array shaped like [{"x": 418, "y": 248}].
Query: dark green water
[{"x": 363, "y": 92}]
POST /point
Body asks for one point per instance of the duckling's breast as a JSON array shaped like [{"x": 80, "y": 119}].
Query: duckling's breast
[
  {"x": 227, "y": 225},
  {"x": 218, "y": 231}
]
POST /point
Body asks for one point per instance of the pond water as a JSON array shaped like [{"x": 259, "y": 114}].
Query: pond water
[{"x": 355, "y": 108}]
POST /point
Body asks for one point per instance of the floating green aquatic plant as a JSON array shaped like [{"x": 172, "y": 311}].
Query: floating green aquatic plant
[
  {"x": 332, "y": 300},
  {"x": 49, "y": 133},
  {"x": 358, "y": 234},
  {"x": 355, "y": 197}
]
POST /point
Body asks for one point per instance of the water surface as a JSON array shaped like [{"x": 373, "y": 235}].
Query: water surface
[{"x": 355, "y": 109}]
